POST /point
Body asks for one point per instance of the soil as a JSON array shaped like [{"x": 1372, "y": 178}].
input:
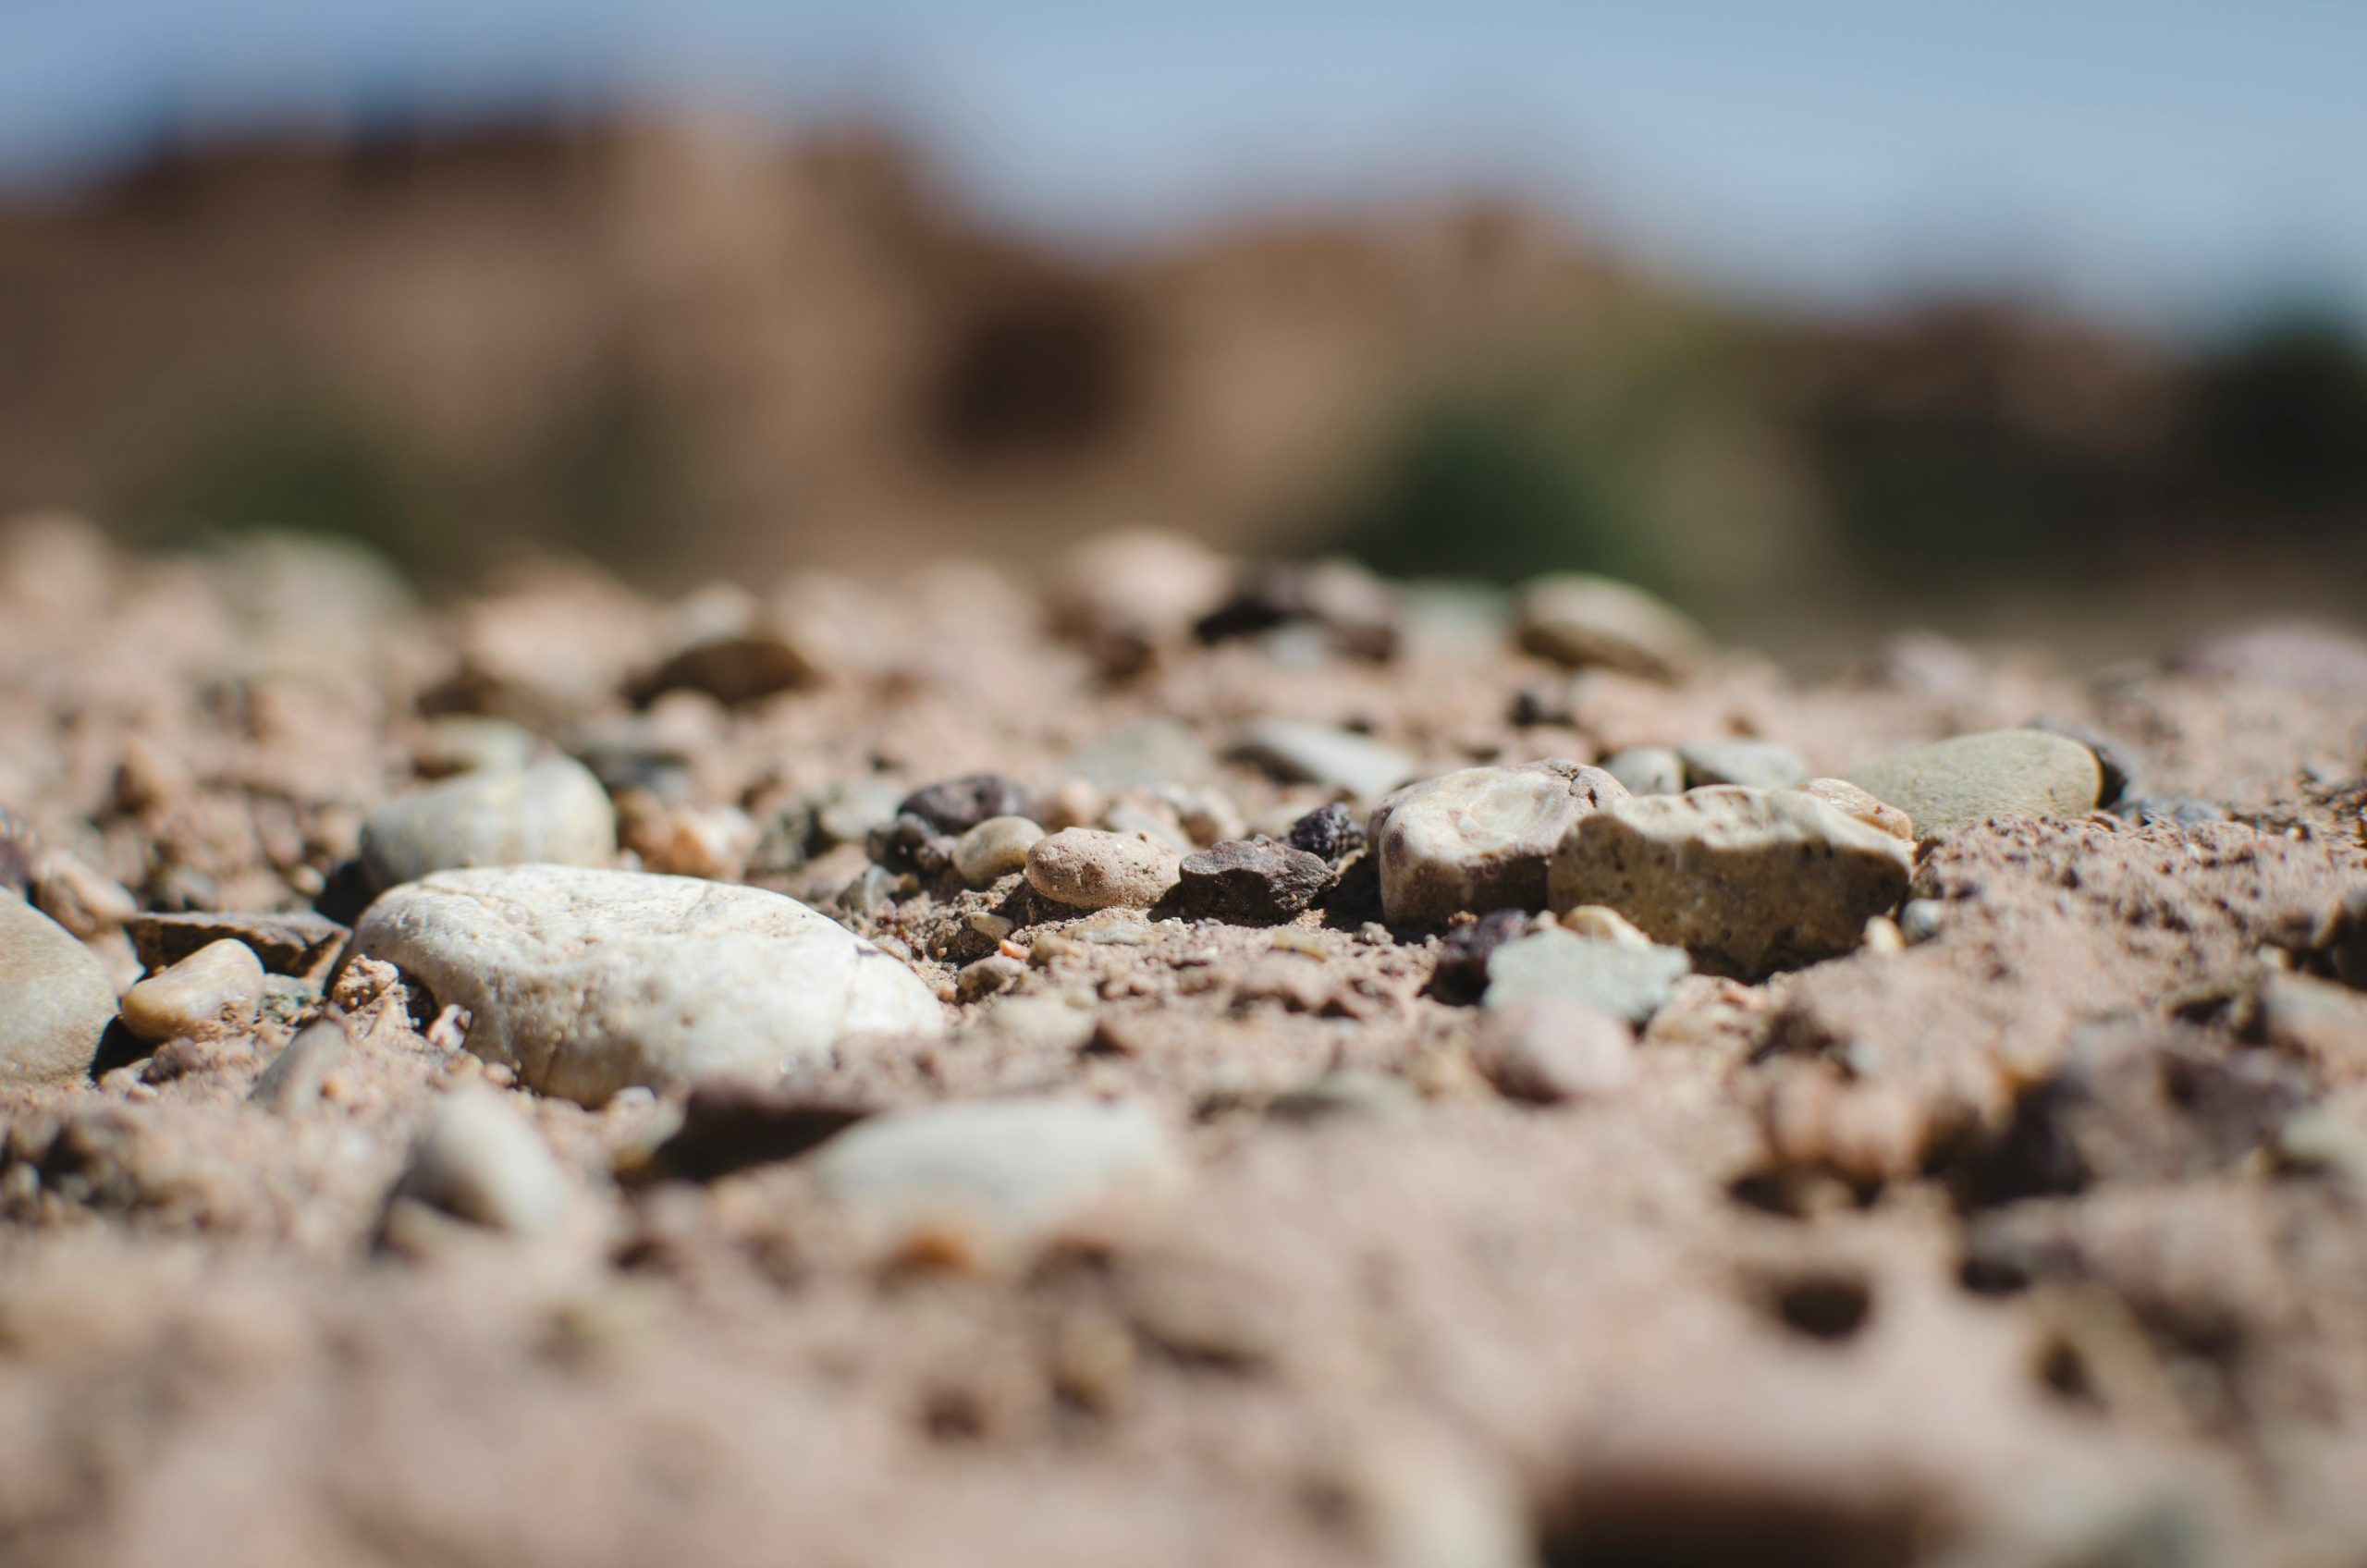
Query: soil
[{"x": 2043, "y": 1239}]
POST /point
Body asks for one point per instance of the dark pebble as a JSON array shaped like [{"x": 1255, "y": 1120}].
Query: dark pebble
[
  {"x": 1329, "y": 831},
  {"x": 299, "y": 944},
  {"x": 1461, "y": 971},
  {"x": 730, "y": 1124},
  {"x": 1250, "y": 882},
  {"x": 957, "y": 805},
  {"x": 911, "y": 843}
]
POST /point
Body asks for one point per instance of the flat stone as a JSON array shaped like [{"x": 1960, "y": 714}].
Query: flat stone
[
  {"x": 1580, "y": 621},
  {"x": 1479, "y": 839},
  {"x": 1549, "y": 1050},
  {"x": 214, "y": 993},
  {"x": 554, "y": 813},
  {"x": 1300, "y": 753},
  {"x": 996, "y": 847},
  {"x": 585, "y": 982},
  {"x": 1954, "y": 783},
  {"x": 1013, "y": 1165},
  {"x": 1250, "y": 882},
  {"x": 1747, "y": 880},
  {"x": 299, "y": 944},
  {"x": 1616, "y": 977},
  {"x": 480, "y": 1162},
  {"x": 1762, "y": 764},
  {"x": 54, "y": 999},
  {"x": 1647, "y": 770},
  {"x": 956, "y": 805},
  {"x": 1087, "y": 869},
  {"x": 295, "y": 1076}
]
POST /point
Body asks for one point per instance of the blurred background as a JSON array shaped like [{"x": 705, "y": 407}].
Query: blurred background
[{"x": 2020, "y": 317}]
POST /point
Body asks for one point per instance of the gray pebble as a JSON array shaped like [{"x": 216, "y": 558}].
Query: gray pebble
[
  {"x": 2003, "y": 773},
  {"x": 1298, "y": 751},
  {"x": 54, "y": 999},
  {"x": 482, "y": 1163},
  {"x": 294, "y": 1079},
  {"x": 554, "y": 813},
  {"x": 1762, "y": 764},
  {"x": 1618, "y": 978},
  {"x": 1581, "y": 620},
  {"x": 1549, "y": 1050},
  {"x": 1647, "y": 770},
  {"x": 996, "y": 847},
  {"x": 1920, "y": 919}
]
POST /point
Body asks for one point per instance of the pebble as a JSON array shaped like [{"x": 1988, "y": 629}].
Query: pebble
[
  {"x": 713, "y": 841},
  {"x": 18, "y": 848},
  {"x": 1013, "y": 1165},
  {"x": 1749, "y": 880},
  {"x": 54, "y": 999},
  {"x": 1251, "y": 882},
  {"x": 1581, "y": 620},
  {"x": 299, "y": 944},
  {"x": 724, "y": 641},
  {"x": 585, "y": 982},
  {"x": 1952, "y": 784},
  {"x": 1460, "y": 972},
  {"x": 993, "y": 974},
  {"x": 1609, "y": 977},
  {"x": 995, "y": 847},
  {"x": 78, "y": 898},
  {"x": 1604, "y": 925},
  {"x": 1920, "y": 919},
  {"x": 1762, "y": 764},
  {"x": 1330, "y": 831},
  {"x": 214, "y": 992},
  {"x": 1301, "y": 753},
  {"x": 468, "y": 743},
  {"x": 295, "y": 1077},
  {"x": 1647, "y": 770},
  {"x": 1851, "y": 801},
  {"x": 1479, "y": 839},
  {"x": 1087, "y": 869},
  {"x": 1549, "y": 1050},
  {"x": 956, "y": 805},
  {"x": 554, "y": 813},
  {"x": 480, "y": 1162}
]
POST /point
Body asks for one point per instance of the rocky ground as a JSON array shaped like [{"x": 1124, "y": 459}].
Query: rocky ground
[{"x": 1266, "y": 1067}]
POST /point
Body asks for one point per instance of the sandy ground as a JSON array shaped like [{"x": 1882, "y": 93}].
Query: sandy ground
[{"x": 2042, "y": 1239}]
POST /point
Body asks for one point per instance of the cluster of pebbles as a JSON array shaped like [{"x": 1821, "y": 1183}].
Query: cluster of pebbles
[{"x": 1205, "y": 1060}]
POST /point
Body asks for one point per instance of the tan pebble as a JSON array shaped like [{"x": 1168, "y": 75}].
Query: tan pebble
[
  {"x": 1883, "y": 936},
  {"x": 214, "y": 991},
  {"x": 995, "y": 847},
  {"x": 1086, "y": 868},
  {"x": 1862, "y": 805},
  {"x": 1604, "y": 924}
]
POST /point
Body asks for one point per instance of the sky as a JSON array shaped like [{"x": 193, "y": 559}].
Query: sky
[{"x": 2161, "y": 161}]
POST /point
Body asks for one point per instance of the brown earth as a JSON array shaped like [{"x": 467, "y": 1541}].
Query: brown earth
[{"x": 2041, "y": 1239}]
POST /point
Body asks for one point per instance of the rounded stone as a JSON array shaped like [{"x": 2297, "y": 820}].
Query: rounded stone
[
  {"x": 1647, "y": 770},
  {"x": 217, "y": 991},
  {"x": 1747, "y": 880},
  {"x": 480, "y": 1162},
  {"x": 1865, "y": 806},
  {"x": 956, "y": 805},
  {"x": 1579, "y": 619},
  {"x": 1625, "y": 979},
  {"x": 1087, "y": 868},
  {"x": 54, "y": 999},
  {"x": 1548, "y": 1050},
  {"x": 554, "y": 813},
  {"x": 586, "y": 982},
  {"x": 2002, "y": 773},
  {"x": 1762, "y": 764},
  {"x": 1479, "y": 839},
  {"x": 996, "y": 847}
]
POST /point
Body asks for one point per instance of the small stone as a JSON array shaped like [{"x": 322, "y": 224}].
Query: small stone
[
  {"x": 1300, "y": 753},
  {"x": 724, "y": 641},
  {"x": 1355, "y": 612},
  {"x": 680, "y": 839},
  {"x": 1603, "y": 924},
  {"x": 1952, "y": 784},
  {"x": 1012, "y": 1166},
  {"x": 1612, "y": 977},
  {"x": 468, "y": 743},
  {"x": 1749, "y": 880},
  {"x": 76, "y": 897},
  {"x": 481, "y": 1163},
  {"x": 1884, "y": 936},
  {"x": 213, "y": 992},
  {"x": 1919, "y": 919},
  {"x": 990, "y": 975},
  {"x": 1087, "y": 869},
  {"x": 586, "y": 982},
  {"x": 299, "y": 945},
  {"x": 846, "y": 813},
  {"x": 1460, "y": 973},
  {"x": 910, "y": 845},
  {"x": 1647, "y": 770},
  {"x": 1762, "y": 764},
  {"x": 1252, "y": 882},
  {"x": 957, "y": 805},
  {"x": 295, "y": 1076},
  {"x": 995, "y": 847},
  {"x": 18, "y": 848},
  {"x": 54, "y": 999},
  {"x": 1851, "y": 801},
  {"x": 1550, "y": 1049},
  {"x": 1330, "y": 831},
  {"x": 554, "y": 813},
  {"x": 1581, "y": 620},
  {"x": 1479, "y": 839}
]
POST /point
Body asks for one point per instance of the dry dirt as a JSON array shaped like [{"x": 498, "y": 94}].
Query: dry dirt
[{"x": 2043, "y": 1240}]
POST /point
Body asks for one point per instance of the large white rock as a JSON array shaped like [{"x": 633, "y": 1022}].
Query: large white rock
[{"x": 585, "y": 982}]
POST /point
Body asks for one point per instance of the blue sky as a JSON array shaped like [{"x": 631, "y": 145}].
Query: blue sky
[{"x": 2165, "y": 160}]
